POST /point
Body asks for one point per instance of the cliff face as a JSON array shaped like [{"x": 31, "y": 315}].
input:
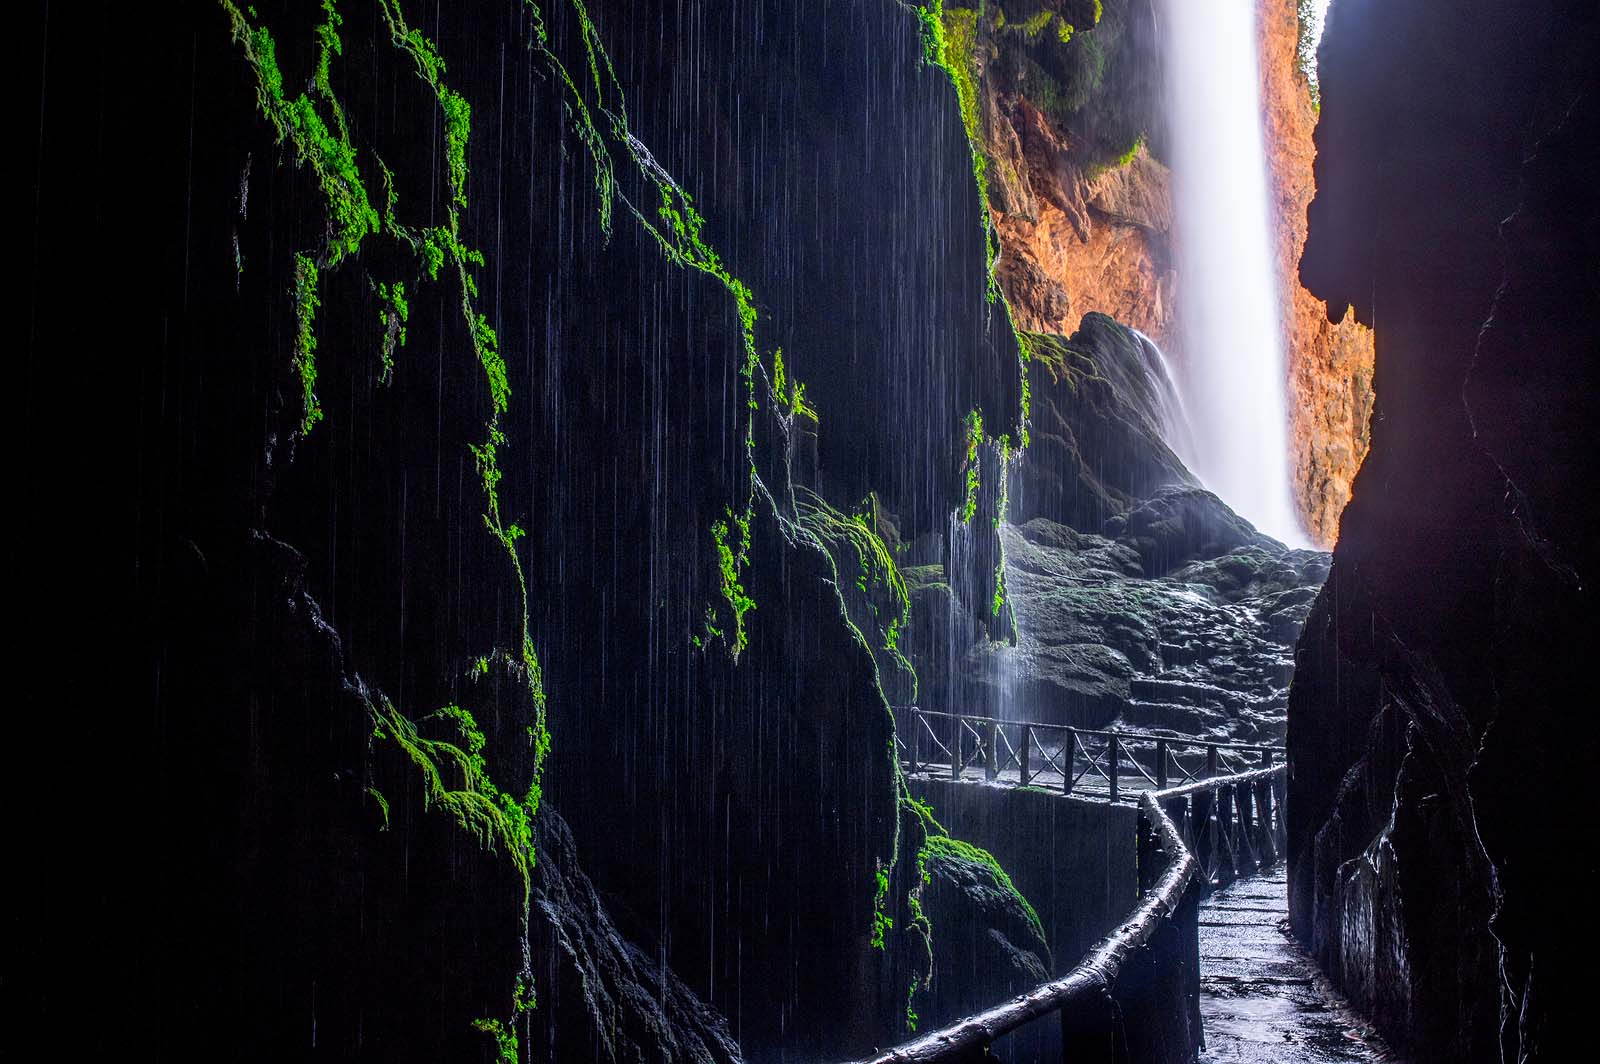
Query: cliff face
[
  {"x": 1329, "y": 362},
  {"x": 1439, "y": 673},
  {"x": 1073, "y": 132},
  {"x": 1082, "y": 208},
  {"x": 466, "y": 364}
]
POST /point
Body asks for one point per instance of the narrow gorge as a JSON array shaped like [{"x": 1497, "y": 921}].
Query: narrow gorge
[{"x": 735, "y": 530}]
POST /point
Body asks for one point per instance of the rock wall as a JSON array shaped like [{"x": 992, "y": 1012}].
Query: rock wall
[
  {"x": 1438, "y": 763},
  {"x": 391, "y": 565}
]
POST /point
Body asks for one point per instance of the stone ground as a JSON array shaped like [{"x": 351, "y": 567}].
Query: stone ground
[{"x": 1262, "y": 999}]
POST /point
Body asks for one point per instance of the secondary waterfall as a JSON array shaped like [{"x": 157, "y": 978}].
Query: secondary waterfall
[
  {"x": 1176, "y": 428},
  {"x": 1236, "y": 380}
]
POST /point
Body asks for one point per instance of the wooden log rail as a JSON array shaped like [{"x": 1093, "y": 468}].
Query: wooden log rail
[
  {"x": 1136, "y": 994},
  {"x": 1068, "y": 756}
]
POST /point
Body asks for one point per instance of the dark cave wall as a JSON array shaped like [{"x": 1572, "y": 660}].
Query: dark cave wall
[
  {"x": 274, "y": 594},
  {"x": 1435, "y": 737}
]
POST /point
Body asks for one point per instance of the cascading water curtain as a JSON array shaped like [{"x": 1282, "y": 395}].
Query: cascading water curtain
[{"x": 1236, "y": 383}]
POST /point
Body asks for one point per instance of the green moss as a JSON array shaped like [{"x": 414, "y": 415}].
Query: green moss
[
  {"x": 1001, "y": 506},
  {"x": 455, "y": 778},
  {"x": 950, "y": 40},
  {"x": 1133, "y": 149},
  {"x": 456, "y": 781},
  {"x": 882, "y": 923},
  {"x": 1035, "y": 24},
  {"x": 304, "y": 360},
  {"x": 790, "y": 395},
  {"x": 877, "y": 576},
  {"x": 393, "y": 313},
  {"x": 325, "y": 149},
  {"x": 304, "y": 122},
  {"x": 729, "y": 553},
  {"x": 969, "y": 505},
  {"x": 507, "y": 1046},
  {"x": 943, "y": 846},
  {"x": 383, "y": 805}
]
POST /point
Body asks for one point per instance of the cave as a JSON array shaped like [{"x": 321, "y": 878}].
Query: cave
[{"x": 737, "y": 530}]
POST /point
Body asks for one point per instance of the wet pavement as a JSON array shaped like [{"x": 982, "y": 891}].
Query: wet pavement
[{"x": 1262, "y": 999}]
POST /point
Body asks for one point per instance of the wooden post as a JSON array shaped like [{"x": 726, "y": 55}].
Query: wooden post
[
  {"x": 1280, "y": 802},
  {"x": 1266, "y": 757},
  {"x": 1204, "y": 839},
  {"x": 1069, "y": 754},
  {"x": 1161, "y": 764},
  {"x": 1227, "y": 842},
  {"x": 1149, "y": 850},
  {"x": 1211, "y": 759},
  {"x": 958, "y": 733},
  {"x": 1266, "y": 847},
  {"x": 990, "y": 762},
  {"x": 1024, "y": 757},
  {"x": 916, "y": 738},
  {"x": 1250, "y": 854},
  {"x": 1113, "y": 755}
]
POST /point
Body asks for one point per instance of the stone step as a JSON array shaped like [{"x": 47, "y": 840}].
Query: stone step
[
  {"x": 1181, "y": 692},
  {"x": 1186, "y": 720}
]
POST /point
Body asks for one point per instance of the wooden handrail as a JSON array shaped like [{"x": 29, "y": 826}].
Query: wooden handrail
[
  {"x": 1095, "y": 975},
  {"x": 1120, "y": 736}
]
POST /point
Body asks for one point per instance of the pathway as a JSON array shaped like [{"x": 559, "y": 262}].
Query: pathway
[{"x": 1262, "y": 999}]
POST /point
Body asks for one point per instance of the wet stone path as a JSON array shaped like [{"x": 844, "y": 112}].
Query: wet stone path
[{"x": 1262, "y": 999}]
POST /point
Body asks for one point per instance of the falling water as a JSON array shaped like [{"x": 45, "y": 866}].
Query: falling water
[
  {"x": 1236, "y": 378},
  {"x": 1176, "y": 428}
]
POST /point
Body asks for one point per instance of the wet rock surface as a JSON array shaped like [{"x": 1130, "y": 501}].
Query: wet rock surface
[
  {"x": 602, "y": 997},
  {"x": 1141, "y": 600},
  {"x": 1203, "y": 650},
  {"x": 1439, "y": 762},
  {"x": 1262, "y": 1000},
  {"x": 988, "y": 942}
]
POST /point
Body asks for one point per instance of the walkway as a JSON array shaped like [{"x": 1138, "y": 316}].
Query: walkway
[{"x": 1262, "y": 999}]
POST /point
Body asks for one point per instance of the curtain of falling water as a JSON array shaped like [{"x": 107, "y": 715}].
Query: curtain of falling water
[{"x": 1230, "y": 306}]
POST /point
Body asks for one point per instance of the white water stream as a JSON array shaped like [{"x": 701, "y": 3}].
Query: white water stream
[{"x": 1236, "y": 383}]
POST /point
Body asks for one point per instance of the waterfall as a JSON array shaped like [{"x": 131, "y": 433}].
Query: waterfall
[
  {"x": 1176, "y": 428},
  {"x": 1230, "y": 305}
]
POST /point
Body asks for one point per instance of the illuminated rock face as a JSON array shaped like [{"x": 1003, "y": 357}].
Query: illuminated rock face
[
  {"x": 1074, "y": 244},
  {"x": 1329, "y": 362},
  {"x": 1084, "y": 228}
]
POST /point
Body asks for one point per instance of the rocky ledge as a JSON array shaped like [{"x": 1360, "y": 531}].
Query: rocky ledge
[{"x": 1141, "y": 600}]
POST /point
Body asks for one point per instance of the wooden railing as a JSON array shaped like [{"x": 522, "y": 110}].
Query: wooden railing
[
  {"x": 1135, "y": 994},
  {"x": 1067, "y": 757}
]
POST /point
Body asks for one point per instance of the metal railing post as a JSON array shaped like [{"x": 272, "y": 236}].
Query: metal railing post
[
  {"x": 1113, "y": 755},
  {"x": 1069, "y": 754},
  {"x": 1211, "y": 759},
  {"x": 1161, "y": 764},
  {"x": 1024, "y": 755}
]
